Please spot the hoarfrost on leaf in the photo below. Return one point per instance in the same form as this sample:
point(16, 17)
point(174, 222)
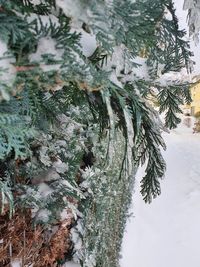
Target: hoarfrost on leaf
point(60, 166)
point(43, 215)
point(75, 10)
point(71, 264)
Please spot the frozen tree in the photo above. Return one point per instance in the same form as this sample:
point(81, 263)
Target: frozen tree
point(75, 117)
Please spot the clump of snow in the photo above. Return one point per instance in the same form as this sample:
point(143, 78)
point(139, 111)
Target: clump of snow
point(7, 70)
point(16, 263)
point(36, 2)
point(125, 69)
point(73, 9)
point(88, 43)
point(5, 62)
point(65, 214)
point(71, 264)
point(60, 166)
point(171, 78)
point(142, 70)
point(44, 190)
point(76, 239)
point(118, 61)
point(47, 45)
point(43, 215)
point(45, 19)
point(113, 78)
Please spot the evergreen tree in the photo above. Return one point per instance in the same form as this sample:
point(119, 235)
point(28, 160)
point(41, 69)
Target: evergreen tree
point(75, 118)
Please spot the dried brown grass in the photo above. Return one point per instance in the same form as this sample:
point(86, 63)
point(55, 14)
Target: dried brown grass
point(32, 244)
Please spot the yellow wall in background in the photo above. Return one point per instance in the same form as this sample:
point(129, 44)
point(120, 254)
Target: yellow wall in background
point(195, 94)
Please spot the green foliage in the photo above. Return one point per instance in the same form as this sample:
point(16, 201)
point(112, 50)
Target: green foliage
point(169, 49)
point(14, 136)
point(63, 106)
point(170, 99)
point(12, 28)
point(100, 210)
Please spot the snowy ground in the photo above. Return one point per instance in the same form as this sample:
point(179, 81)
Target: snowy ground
point(167, 232)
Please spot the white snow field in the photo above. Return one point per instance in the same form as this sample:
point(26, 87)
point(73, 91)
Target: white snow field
point(167, 232)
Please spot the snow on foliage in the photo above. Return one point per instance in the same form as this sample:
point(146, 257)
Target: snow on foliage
point(193, 7)
point(88, 43)
point(7, 71)
point(46, 45)
point(71, 264)
point(83, 80)
point(73, 9)
point(16, 263)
